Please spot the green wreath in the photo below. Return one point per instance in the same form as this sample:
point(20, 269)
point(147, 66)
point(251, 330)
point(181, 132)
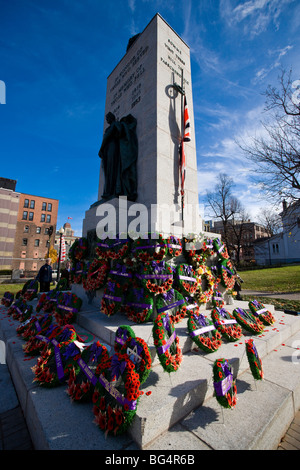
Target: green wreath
point(79, 249)
point(156, 276)
point(254, 360)
point(67, 308)
point(248, 321)
point(173, 303)
point(227, 273)
point(82, 378)
point(138, 304)
point(224, 385)
point(7, 299)
point(116, 394)
point(113, 296)
point(37, 326)
point(174, 246)
point(138, 352)
point(96, 275)
point(185, 279)
point(36, 345)
point(217, 299)
point(123, 333)
point(203, 333)
point(259, 310)
point(226, 324)
point(166, 343)
point(113, 249)
point(220, 249)
point(197, 251)
point(150, 249)
point(205, 285)
point(78, 271)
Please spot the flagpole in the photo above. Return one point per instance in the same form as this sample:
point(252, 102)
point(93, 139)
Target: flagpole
point(182, 131)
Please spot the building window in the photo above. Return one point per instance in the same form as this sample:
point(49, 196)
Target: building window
point(25, 215)
point(275, 248)
point(26, 202)
point(43, 217)
point(24, 241)
point(44, 206)
point(48, 219)
point(49, 206)
point(38, 230)
point(26, 228)
point(32, 204)
point(37, 242)
point(31, 215)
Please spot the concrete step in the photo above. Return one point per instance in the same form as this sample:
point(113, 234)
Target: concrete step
point(262, 415)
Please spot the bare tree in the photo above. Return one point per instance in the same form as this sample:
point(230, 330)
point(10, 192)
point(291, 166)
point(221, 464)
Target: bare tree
point(224, 205)
point(277, 157)
point(270, 221)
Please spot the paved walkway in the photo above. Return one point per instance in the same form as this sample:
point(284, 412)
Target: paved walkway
point(281, 295)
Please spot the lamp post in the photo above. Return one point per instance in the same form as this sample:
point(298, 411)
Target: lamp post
point(50, 231)
point(61, 232)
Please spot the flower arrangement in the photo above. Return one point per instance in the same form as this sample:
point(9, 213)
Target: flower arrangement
point(116, 394)
point(67, 308)
point(156, 276)
point(22, 311)
point(226, 324)
point(113, 249)
point(112, 298)
point(48, 301)
point(77, 271)
point(79, 249)
point(174, 246)
point(254, 360)
point(260, 311)
point(16, 306)
point(248, 321)
point(138, 352)
point(150, 249)
point(37, 326)
point(166, 342)
point(220, 249)
point(30, 289)
point(35, 345)
point(203, 333)
point(27, 324)
point(191, 306)
point(227, 273)
point(205, 279)
point(82, 379)
point(54, 366)
point(224, 385)
point(217, 299)
point(173, 303)
point(123, 333)
point(185, 279)
point(138, 304)
point(96, 275)
point(198, 249)
point(7, 299)
point(61, 285)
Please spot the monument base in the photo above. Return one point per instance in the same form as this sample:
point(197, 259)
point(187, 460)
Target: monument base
point(119, 215)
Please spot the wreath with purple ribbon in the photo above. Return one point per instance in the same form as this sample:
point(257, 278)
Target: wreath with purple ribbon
point(67, 308)
point(36, 326)
point(247, 321)
point(220, 249)
point(174, 246)
point(226, 324)
point(204, 333)
point(149, 249)
point(53, 367)
point(173, 303)
point(156, 276)
point(36, 345)
point(198, 251)
point(96, 275)
point(227, 273)
point(113, 249)
point(79, 249)
point(259, 310)
point(123, 334)
point(217, 299)
point(7, 299)
point(166, 342)
point(82, 378)
point(113, 296)
point(138, 352)
point(78, 271)
point(116, 394)
point(254, 360)
point(138, 304)
point(185, 279)
point(224, 384)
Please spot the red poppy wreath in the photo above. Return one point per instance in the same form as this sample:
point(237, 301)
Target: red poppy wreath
point(166, 343)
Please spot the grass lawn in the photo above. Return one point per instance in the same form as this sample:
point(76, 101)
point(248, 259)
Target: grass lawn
point(13, 288)
point(283, 279)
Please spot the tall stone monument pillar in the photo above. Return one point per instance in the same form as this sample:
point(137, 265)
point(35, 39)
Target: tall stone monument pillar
point(142, 85)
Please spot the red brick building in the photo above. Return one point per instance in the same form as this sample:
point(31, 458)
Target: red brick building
point(36, 214)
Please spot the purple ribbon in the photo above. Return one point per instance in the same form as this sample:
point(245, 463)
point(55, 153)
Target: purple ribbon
point(117, 367)
point(116, 394)
point(170, 306)
point(87, 371)
point(162, 349)
point(224, 385)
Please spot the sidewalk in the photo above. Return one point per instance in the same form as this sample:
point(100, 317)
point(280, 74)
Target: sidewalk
point(281, 295)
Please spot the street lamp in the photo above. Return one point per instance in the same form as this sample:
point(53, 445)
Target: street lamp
point(61, 232)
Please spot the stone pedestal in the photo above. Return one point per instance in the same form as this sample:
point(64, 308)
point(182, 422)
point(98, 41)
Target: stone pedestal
point(142, 85)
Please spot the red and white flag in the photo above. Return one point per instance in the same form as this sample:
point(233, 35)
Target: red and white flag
point(186, 138)
point(62, 249)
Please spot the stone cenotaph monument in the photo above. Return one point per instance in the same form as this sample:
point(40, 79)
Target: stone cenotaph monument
point(140, 183)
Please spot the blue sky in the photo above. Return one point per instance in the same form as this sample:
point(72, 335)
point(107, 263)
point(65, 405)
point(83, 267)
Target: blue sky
point(55, 57)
